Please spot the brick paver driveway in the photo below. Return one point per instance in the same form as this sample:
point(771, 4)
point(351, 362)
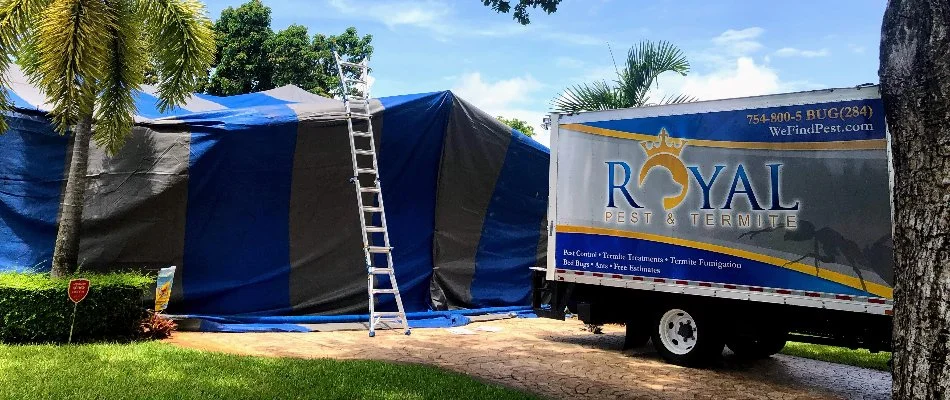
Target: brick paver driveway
point(559, 359)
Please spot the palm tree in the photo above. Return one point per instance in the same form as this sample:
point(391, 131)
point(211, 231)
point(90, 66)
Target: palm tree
point(645, 62)
point(89, 56)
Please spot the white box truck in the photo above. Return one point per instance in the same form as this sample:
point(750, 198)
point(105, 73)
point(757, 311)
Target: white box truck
point(742, 222)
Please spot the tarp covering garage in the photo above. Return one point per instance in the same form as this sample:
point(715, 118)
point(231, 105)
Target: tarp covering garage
point(250, 197)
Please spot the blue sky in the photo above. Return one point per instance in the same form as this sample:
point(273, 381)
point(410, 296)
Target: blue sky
point(735, 47)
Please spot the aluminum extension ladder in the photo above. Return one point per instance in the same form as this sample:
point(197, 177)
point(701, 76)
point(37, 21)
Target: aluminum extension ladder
point(363, 154)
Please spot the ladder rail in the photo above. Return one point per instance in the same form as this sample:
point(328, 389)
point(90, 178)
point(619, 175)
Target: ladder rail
point(352, 139)
point(371, 249)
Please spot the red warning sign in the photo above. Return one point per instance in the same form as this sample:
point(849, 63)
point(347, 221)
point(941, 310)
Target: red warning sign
point(78, 289)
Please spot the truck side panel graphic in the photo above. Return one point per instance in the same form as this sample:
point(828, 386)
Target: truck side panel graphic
point(787, 196)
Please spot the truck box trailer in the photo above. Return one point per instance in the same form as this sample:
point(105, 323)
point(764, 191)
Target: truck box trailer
point(741, 222)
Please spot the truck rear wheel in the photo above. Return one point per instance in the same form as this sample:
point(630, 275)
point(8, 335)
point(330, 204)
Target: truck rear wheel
point(687, 337)
point(758, 347)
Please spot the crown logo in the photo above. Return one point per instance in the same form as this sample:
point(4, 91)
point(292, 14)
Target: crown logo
point(663, 144)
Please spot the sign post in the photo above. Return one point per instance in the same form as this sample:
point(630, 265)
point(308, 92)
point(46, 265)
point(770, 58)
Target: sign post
point(78, 289)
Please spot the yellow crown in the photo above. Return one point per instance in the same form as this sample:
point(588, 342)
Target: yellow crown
point(663, 144)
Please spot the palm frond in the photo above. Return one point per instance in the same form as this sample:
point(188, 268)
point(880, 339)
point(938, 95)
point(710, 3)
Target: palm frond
point(182, 41)
point(69, 55)
point(124, 73)
point(645, 62)
point(588, 97)
point(677, 99)
point(15, 21)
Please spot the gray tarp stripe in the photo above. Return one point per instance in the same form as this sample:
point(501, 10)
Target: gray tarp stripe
point(295, 94)
point(192, 103)
point(472, 157)
point(327, 273)
point(134, 215)
point(21, 85)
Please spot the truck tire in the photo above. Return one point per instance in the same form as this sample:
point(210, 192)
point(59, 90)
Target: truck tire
point(688, 337)
point(759, 347)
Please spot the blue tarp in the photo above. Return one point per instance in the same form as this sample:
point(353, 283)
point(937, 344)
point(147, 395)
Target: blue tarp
point(429, 319)
point(249, 196)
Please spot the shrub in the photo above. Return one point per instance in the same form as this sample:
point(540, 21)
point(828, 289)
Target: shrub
point(156, 326)
point(35, 308)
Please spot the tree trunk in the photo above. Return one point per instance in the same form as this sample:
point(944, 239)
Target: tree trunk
point(66, 253)
point(915, 86)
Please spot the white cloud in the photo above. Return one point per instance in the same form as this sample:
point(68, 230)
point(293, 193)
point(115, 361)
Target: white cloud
point(743, 78)
point(739, 42)
point(429, 15)
point(793, 52)
point(498, 94)
point(857, 49)
point(729, 69)
point(511, 98)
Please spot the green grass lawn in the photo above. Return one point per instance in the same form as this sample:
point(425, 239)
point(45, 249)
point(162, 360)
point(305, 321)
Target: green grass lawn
point(161, 371)
point(839, 355)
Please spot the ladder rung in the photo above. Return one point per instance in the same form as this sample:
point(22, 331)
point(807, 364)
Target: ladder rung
point(358, 106)
point(381, 270)
point(351, 65)
point(389, 321)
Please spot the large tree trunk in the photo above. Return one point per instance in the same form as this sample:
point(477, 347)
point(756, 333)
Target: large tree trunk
point(915, 85)
point(66, 253)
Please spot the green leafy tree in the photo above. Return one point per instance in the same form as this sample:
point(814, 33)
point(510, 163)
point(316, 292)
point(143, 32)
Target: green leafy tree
point(521, 8)
point(645, 63)
point(88, 56)
point(351, 47)
point(522, 126)
point(293, 59)
point(242, 64)
point(251, 58)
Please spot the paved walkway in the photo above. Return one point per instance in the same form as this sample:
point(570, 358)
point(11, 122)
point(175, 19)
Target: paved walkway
point(559, 359)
